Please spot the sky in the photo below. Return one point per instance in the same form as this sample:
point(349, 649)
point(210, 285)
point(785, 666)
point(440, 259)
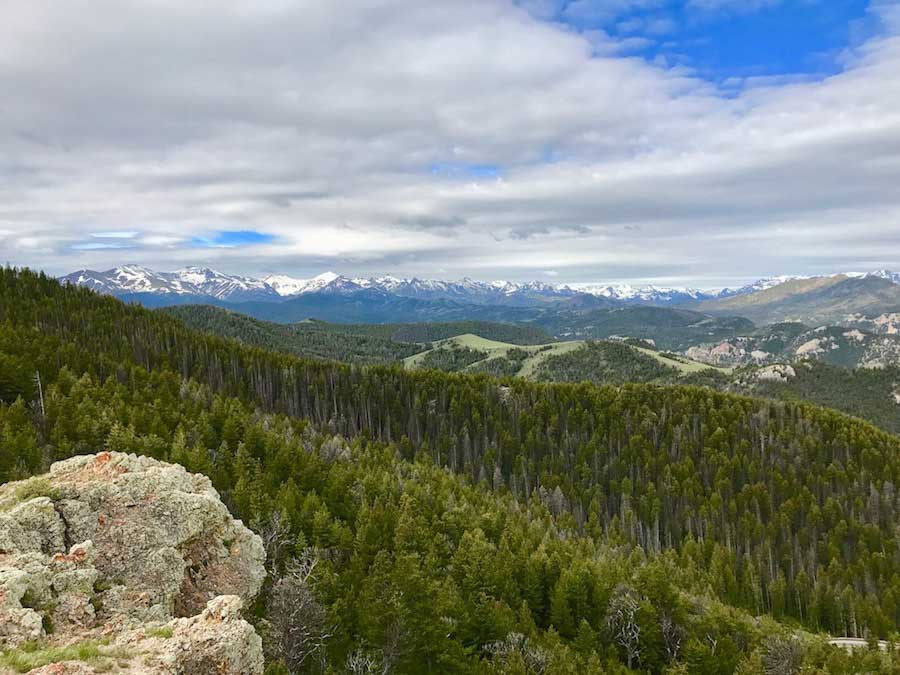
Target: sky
point(680, 142)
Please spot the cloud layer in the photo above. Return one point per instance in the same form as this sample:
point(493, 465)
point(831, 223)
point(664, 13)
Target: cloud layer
point(437, 139)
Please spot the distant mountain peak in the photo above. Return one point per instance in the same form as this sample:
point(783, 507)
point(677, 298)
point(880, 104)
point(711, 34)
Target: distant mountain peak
point(648, 294)
point(201, 282)
point(205, 282)
point(885, 274)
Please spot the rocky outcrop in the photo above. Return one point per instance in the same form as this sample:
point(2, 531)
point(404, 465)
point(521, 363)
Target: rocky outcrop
point(218, 635)
point(137, 557)
point(734, 352)
point(777, 373)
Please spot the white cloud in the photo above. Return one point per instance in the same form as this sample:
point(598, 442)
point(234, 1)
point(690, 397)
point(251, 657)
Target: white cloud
point(120, 234)
point(318, 122)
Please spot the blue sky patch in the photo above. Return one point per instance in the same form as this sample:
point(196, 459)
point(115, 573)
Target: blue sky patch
point(465, 170)
point(232, 239)
point(99, 246)
point(724, 40)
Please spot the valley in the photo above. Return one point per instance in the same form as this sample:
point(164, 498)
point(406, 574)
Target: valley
point(574, 485)
point(839, 367)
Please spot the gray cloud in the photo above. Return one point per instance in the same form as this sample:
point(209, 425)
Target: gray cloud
point(447, 225)
point(319, 122)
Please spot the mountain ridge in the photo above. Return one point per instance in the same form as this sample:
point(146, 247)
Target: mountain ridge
point(814, 301)
point(139, 283)
point(191, 280)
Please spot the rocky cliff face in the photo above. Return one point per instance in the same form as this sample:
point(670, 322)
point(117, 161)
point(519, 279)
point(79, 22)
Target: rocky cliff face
point(119, 563)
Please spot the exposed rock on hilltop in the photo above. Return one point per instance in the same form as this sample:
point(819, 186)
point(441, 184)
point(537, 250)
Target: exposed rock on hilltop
point(845, 346)
point(99, 557)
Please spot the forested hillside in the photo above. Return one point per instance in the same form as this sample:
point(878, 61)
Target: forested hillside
point(870, 393)
point(788, 342)
point(352, 343)
point(867, 393)
point(516, 334)
point(670, 328)
point(310, 339)
point(618, 363)
point(471, 524)
point(374, 306)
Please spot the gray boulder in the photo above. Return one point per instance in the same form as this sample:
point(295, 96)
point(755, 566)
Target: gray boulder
point(108, 544)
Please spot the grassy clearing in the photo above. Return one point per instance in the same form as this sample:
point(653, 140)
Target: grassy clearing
point(470, 341)
point(537, 354)
point(496, 350)
point(163, 632)
point(683, 364)
point(31, 655)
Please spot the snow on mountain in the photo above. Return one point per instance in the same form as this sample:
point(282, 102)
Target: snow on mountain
point(756, 286)
point(96, 281)
point(205, 282)
point(771, 282)
point(885, 274)
point(287, 286)
point(125, 279)
point(465, 290)
point(199, 281)
point(642, 294)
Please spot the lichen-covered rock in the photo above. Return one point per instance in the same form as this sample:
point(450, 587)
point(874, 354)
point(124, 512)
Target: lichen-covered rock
point(776, 373)
point(106, 543)
point(215, 642)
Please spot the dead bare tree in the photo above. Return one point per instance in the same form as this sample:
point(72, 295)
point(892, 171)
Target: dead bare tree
point(535, 659)
point(40, 392)
point(297, 628)
point(275, 532)
point(782, 656)
point(392, 649)
point(672, 635)
point(364, 663)
point(621, 620)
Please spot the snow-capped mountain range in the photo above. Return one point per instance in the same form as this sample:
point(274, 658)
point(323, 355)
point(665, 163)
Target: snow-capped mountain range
point(463, 290)
point(189, 281)
point(201, 282)
point(881, 274)
point(659, 295)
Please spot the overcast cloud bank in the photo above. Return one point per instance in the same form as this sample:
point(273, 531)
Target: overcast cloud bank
point(432, 139)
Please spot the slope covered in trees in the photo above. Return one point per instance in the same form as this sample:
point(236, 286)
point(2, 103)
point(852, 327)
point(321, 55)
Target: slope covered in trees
point(866, 393)
point(605, 363)
point(412, 569)
point(516, 334)
point(770, 508)
point(311, 339)
point(872, 394)
point(671, 328)
point(226, 323)
point(357, 343)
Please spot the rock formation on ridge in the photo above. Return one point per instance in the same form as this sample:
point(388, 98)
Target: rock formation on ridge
point(129, 564)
